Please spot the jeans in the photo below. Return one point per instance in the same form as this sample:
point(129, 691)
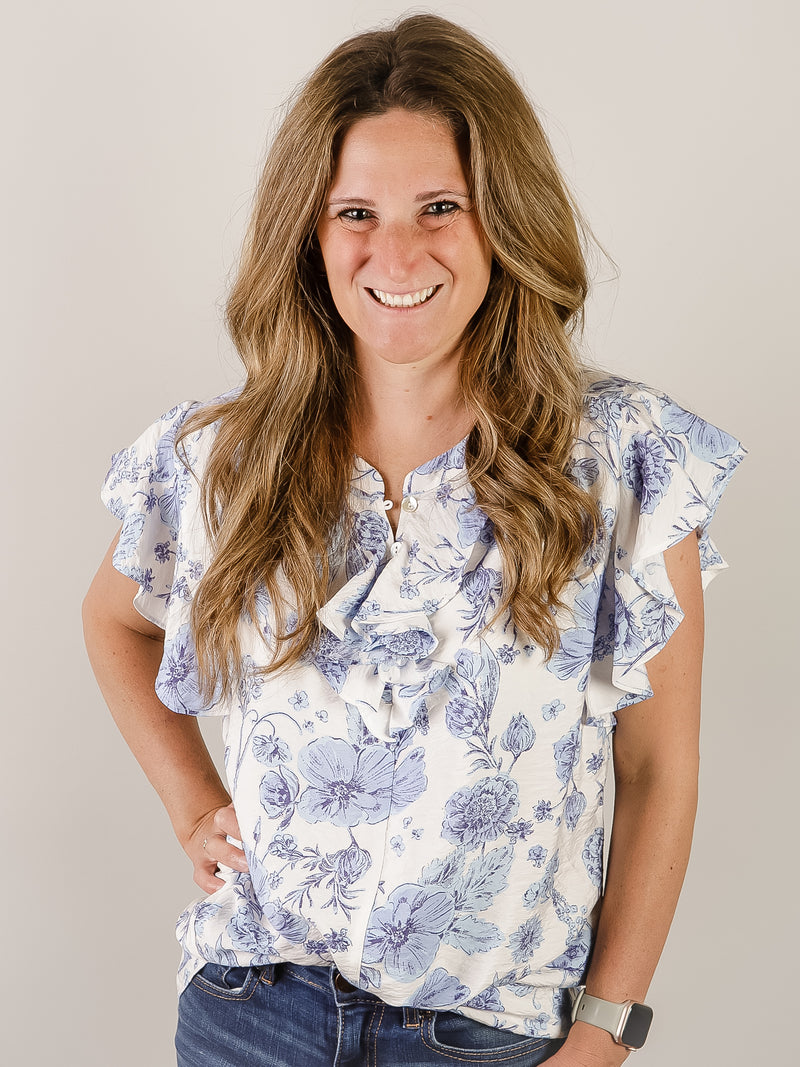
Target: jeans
point(286, 1015)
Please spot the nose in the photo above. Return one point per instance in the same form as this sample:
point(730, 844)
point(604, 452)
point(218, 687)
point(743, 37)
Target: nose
point(397, 251)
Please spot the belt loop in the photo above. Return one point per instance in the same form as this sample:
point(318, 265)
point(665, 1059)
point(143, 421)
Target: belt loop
point(410, 1018)
point(268, 974)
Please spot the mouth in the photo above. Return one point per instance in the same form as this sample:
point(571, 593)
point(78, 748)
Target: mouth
point(404, 300)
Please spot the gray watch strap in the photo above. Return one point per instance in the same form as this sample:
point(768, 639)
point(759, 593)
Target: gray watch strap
point(607, 1015)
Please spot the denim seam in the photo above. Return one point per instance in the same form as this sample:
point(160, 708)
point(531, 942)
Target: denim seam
point(374, 1038)
point(235, 994)
point(475, 1055)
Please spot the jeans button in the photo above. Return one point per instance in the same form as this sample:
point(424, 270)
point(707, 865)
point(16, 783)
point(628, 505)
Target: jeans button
point(341, 983)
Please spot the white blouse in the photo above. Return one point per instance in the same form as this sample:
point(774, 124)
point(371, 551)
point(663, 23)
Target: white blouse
point(421, 801)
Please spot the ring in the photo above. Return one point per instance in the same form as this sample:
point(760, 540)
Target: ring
point(205, 842)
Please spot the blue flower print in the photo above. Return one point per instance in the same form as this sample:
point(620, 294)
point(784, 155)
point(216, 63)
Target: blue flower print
point(271, 750)
point(178, 683)
point(367, 543)
point(397, 845)
point(338, 941)
point(537, 855)
point(507, 654)
point(551, 710)
point(543, 810)
point(405, 933)
point(349, 864)
point(708, 442)
point(519, 736)
point(595, 762)
point(645, 470)
point(278, 792)
point(518, 831)
point(398, 649)
point(486, 1000)
point(526, 939)
point(299, 700)
point(464, 716)
point(333, 657)
point(480, 813)
point(574, 959)
point(584, 472)
point(247, 934)
point(161, 552)
point(346, 786)
point(573, 656)
point(593, 856)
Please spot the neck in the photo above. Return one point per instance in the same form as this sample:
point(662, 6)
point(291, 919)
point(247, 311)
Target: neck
point(405, 415)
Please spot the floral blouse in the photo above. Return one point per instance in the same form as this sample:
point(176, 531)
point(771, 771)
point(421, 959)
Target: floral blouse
point(421, 800)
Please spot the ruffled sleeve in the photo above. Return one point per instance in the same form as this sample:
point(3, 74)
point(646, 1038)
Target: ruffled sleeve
point(154, 492)
point(666, 471)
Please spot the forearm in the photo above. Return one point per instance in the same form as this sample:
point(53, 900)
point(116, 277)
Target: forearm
point(169, 747)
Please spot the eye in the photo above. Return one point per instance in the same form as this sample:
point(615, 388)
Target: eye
point(354, 214)
point(440, 208)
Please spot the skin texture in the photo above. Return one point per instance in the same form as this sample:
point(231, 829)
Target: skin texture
point(396, 237)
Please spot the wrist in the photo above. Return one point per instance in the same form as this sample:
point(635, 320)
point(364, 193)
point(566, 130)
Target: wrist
point(595, 1046)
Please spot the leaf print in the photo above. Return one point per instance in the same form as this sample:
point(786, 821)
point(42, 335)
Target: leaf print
point(645, 470)
point(446, 871)
point(470, 934)
point(658, 622)
point(573, 656)
point(485, 879)
point(293, 927)
point(584, 472)
point(347, 786)
point(477, 814)
point(405, 933)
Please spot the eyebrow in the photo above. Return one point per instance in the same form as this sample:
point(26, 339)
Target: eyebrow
point(434, 194)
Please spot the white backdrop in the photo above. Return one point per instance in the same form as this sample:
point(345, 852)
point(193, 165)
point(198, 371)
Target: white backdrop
point(134, 132)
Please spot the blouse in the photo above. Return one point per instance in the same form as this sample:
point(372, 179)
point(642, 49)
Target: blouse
point(421, 799)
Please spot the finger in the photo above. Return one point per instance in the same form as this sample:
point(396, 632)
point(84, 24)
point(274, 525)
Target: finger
point(226, 823)
point(207, 879)
point(218, 849)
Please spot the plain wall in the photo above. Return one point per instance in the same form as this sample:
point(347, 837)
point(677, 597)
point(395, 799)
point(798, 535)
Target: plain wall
point(133, 134)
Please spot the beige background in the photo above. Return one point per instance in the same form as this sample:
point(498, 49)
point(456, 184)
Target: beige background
point(134, 131)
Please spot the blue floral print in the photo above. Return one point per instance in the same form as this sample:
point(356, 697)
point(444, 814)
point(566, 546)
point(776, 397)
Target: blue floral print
point(405, 933)
point(421, 800)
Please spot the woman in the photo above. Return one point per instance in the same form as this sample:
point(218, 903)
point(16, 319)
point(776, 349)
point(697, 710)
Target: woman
point(421, 674)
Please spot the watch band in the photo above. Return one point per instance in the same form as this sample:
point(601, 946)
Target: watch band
point(627, 1023)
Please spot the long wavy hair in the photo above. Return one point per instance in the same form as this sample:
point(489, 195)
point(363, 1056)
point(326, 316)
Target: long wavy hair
point(276, 487)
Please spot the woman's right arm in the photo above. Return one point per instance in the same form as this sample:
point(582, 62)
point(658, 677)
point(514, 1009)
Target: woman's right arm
point(125, 652)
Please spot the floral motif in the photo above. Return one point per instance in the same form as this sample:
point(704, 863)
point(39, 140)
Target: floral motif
point(477, 814)
point(405, 933)
point(645, 470)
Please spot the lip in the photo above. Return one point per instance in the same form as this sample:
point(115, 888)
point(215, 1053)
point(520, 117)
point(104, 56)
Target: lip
point(371, 290)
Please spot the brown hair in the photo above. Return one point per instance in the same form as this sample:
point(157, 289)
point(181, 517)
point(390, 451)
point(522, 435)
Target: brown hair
point(275, 489)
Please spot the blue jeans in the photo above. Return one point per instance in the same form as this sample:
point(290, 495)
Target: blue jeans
point(285, 1015)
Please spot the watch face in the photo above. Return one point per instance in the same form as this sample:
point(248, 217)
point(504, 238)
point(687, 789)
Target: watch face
point(636, 1026)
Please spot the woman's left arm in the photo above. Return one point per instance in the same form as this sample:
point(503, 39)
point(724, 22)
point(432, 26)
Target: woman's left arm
point(656, 760)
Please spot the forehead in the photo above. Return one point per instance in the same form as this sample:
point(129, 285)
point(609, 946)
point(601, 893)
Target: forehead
point(399, 148)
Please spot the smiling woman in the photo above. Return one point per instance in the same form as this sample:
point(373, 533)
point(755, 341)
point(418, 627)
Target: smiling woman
point(433, 575)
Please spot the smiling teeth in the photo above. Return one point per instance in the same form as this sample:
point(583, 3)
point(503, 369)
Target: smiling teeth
point(406, 300)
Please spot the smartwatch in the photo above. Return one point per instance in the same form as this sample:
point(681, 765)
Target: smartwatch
point(627, 1023)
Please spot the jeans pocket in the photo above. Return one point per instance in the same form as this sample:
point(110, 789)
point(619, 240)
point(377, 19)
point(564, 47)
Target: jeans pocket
point(228, 983)
point(456, 1036)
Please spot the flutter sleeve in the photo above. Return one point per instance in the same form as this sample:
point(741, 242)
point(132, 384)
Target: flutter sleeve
point(667, 469)
point(154, 491)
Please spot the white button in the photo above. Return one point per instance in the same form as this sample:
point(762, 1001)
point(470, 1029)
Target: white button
point(396, 546)
point(387, 505)
point(410, 503)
